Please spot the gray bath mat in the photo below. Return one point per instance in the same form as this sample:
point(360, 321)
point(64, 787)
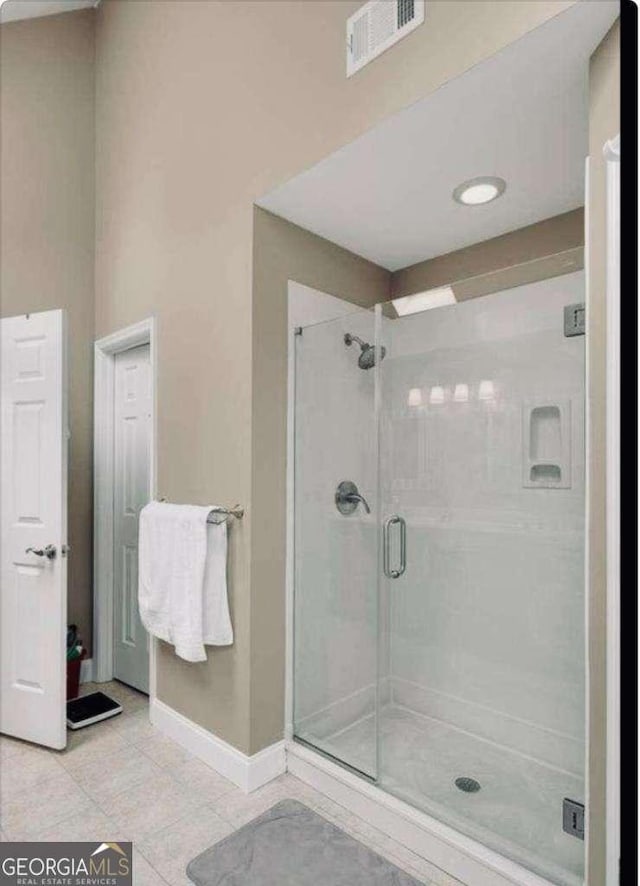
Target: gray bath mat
point(290, 845)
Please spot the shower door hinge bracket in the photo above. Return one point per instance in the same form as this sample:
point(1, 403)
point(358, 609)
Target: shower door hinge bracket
point(574, 319)
point(573, 818)
point(297, 330)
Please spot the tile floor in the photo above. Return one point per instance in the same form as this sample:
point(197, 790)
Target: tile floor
point(123, 780)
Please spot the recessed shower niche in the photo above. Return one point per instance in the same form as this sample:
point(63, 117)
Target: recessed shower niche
point(547, 445)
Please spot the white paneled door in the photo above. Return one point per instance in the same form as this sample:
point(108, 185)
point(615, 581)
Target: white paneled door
point(131, 462)
point(33, 593)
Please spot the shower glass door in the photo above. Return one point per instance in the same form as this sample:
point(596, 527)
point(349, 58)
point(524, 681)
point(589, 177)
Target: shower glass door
point(480, 413)
point(336, 542)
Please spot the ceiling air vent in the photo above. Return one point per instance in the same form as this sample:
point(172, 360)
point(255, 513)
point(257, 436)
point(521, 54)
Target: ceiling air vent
point(378, 25)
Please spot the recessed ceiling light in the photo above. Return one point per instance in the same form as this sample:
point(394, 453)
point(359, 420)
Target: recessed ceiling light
point(480, 190)
point(422, 301)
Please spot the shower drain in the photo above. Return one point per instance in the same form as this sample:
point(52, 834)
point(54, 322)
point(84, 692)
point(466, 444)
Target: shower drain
point(468, 785)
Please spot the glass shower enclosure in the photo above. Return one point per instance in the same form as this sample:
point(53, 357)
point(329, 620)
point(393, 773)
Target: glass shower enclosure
point(439, 562)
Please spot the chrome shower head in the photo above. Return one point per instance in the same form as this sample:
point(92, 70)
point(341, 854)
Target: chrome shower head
point(367, 358)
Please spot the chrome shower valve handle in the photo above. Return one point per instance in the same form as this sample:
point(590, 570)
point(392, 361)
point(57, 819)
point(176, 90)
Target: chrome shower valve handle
point(347, 498)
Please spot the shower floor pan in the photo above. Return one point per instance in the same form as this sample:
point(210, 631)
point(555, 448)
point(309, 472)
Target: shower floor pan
point(517, 811)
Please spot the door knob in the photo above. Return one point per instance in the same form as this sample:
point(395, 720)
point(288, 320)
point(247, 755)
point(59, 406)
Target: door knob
point(49, 552)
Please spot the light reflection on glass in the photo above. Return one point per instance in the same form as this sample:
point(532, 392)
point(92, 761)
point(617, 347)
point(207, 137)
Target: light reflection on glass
point(486, 390)
point(461, 393)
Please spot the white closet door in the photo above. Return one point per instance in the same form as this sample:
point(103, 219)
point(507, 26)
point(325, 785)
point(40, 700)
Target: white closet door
point(33, 611)
point(131, 493)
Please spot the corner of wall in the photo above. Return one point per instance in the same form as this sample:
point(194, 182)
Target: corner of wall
point(604, 123)
point(282, 251)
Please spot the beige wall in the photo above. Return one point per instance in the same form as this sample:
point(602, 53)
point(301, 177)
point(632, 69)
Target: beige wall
point(550, 247)
point(201, 108)
point(604, 123)
point(255, 664)
point(47, 227)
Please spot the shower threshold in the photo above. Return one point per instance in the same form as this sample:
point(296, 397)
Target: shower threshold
point(517, 811)
point(337, 760)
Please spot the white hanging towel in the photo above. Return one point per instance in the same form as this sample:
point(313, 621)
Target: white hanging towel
point(182, 587)
point(216, 621)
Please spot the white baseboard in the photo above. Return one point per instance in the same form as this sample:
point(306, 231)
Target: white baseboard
point(86, 670)
point(247, 772)
point(461, 857)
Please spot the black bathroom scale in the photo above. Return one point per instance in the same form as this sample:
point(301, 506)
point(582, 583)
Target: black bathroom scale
point(90, 709)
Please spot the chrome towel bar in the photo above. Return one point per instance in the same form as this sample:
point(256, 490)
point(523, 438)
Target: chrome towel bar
point(236, 511)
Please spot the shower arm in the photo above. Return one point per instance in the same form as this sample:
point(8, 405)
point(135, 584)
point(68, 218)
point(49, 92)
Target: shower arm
point(349, 339)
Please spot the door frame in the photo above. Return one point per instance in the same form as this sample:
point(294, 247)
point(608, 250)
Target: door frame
point(105, 350)
point(611, 152)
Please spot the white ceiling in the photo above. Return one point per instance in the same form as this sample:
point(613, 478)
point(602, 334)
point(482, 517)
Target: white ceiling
point(521, 115)
point(13, 10)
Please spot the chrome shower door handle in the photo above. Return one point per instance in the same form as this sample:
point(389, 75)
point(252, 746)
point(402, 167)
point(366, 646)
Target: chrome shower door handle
point(395, 520)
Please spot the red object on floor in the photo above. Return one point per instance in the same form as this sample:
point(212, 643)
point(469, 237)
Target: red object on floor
point(73, 676)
